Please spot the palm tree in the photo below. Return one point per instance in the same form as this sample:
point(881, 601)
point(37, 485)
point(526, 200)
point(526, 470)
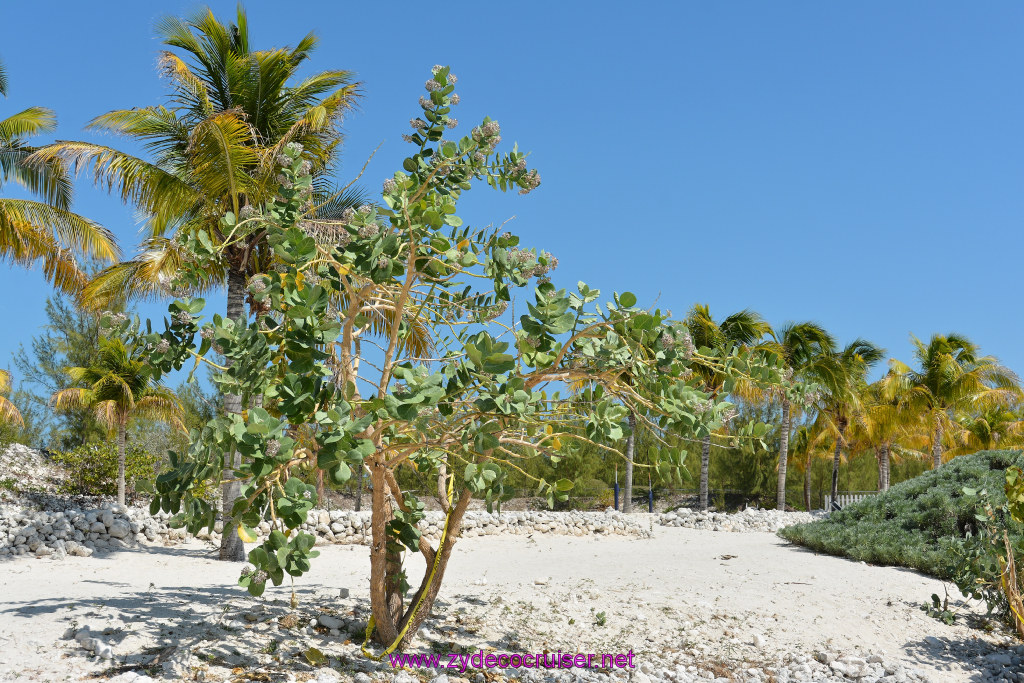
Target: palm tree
point(743, 328)
point(802, 347)
point(8, 411)
point(951, 379)
point(44, 230)
point(887, 426)
point(119, 388)
point(803, 448)
point(214, 151)
point(843, 376)
point(995, 427)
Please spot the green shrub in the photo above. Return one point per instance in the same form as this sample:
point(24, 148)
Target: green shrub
point(92, 469)
point(925, 523)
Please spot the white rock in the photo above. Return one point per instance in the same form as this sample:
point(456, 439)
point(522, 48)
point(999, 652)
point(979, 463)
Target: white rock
point(329, 621)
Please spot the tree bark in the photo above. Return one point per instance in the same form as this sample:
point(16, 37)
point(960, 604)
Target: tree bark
point(430, 591)
point(807, 481)
point(937, 443)
point(231, 547)
point(627, 502)
point(121, 456)
point(705, 462)
point(359, 490)
point(883, 468)
point(382, 603)
point(780, 500)
point(835, 462)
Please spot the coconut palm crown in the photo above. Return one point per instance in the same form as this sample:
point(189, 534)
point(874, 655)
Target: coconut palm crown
point(951, 379)
point(119, 387)
point(741, 329)
point(45, 230)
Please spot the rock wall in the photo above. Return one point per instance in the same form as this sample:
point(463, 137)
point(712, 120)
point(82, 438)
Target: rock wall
point(74, 531)
point(745, 521)
point(80, 531)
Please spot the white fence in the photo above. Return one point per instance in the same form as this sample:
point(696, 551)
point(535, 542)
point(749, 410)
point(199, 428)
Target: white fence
point(848, 497)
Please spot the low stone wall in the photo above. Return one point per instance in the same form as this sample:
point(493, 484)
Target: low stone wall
point(77, 531)
point(72, 531)
point(768, 521)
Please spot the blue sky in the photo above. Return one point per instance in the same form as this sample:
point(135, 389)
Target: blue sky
point(858, 164)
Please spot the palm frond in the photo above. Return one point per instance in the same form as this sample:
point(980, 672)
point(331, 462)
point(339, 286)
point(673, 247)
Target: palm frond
point(147, 276)
point(9, 413)
point(49, 180)
point(31, 121)
point(70, 230)
point(158, 193)
point(222, 152)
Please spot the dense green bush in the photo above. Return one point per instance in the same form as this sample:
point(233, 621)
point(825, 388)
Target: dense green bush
point(924, 523)
point(92, 469)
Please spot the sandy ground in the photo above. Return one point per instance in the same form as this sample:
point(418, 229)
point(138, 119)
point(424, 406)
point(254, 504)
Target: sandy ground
point(706, 592)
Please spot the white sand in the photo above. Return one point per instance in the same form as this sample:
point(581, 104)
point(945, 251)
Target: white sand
point(671, 593)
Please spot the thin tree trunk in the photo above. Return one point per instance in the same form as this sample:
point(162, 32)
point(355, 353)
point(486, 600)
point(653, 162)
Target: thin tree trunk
point(835, 463)
point(430, 591)
point(705, 462)
point(359, 489)
point(385, 604)
point(937, 444)
point(231, 547)
point(627, 502)
point(883, 467)
point(121, 434)
point(807, 482)
point(780, 500)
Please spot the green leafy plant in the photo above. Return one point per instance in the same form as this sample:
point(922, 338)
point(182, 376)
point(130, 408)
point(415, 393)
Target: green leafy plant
point(92, 469)
point(939, 609)
point(987, 568)
point(484, 402)
point(923, 523)
point(600, 618)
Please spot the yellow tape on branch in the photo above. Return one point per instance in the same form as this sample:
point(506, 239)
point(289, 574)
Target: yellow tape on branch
point(371, 624)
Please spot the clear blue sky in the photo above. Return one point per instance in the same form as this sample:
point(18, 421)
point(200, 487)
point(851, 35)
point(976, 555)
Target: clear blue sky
point(858, 164)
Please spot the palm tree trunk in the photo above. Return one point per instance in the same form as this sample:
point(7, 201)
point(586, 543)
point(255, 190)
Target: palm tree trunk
point(780, 501)
point(627, 502)
point(937, 444)
point(231, 547)
point(807, 481)
point(835, 463)
point(121, 435)
point(705, 462)
point(883, 468)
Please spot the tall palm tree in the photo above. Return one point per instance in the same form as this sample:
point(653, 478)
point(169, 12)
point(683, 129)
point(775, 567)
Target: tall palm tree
point(801, 347)
point(44, 230)
point(887, 426)
point(214, 151)
point(951, 379)
point(804, 447)
point(744, 328)
point(8, 411)
point(843, 376)
point(119, 388)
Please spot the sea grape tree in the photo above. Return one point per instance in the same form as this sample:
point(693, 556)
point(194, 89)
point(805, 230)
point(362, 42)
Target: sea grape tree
point(330, 349)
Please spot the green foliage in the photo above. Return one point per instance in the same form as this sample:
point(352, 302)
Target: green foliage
point(939, 609)
point(70, 338)
point(92, 468)
point(489, 404)
point(987, 569)
point(926, 523)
